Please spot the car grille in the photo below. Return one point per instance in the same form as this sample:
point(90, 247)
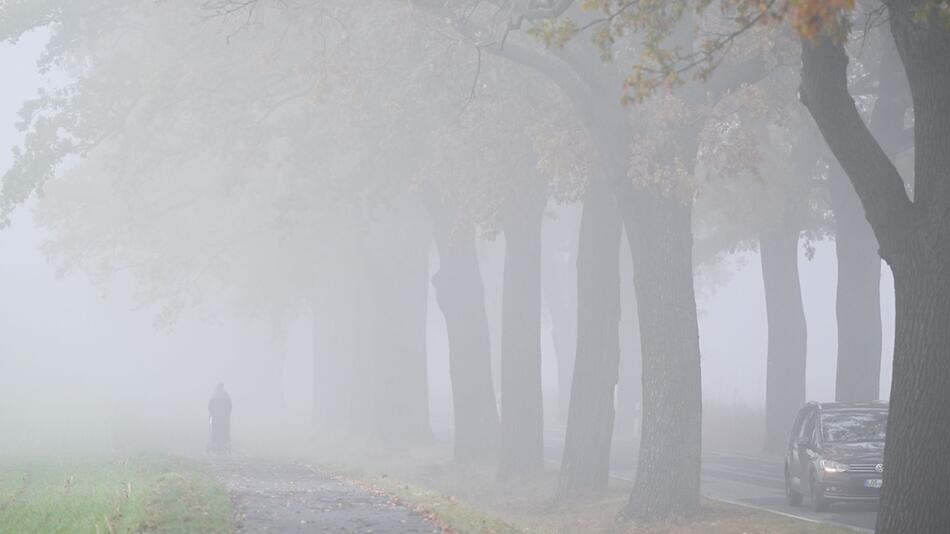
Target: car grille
point(865, 468)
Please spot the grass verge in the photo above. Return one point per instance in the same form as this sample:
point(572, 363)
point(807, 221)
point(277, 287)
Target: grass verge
point(447, 511)
point(137, 494)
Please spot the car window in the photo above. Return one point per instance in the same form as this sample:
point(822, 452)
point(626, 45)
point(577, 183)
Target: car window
point(797, 427)
point(853, 426)
point(809, 427)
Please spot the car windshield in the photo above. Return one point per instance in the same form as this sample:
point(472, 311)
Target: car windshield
point(853, 426)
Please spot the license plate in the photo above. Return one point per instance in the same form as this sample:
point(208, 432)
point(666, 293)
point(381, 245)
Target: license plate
point(872, 483)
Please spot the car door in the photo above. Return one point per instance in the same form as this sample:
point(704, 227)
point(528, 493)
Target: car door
point(790, 452)
point(800, 456)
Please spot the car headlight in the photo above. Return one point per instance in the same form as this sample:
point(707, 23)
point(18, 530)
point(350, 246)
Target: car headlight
point(831, 466)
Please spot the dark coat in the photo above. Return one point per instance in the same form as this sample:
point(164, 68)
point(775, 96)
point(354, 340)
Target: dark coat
point(219, 407)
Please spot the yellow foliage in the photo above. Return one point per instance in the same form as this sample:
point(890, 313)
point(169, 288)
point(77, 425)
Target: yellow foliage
point(812, 18)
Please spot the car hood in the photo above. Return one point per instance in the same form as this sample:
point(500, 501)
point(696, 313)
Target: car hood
point(871, 452)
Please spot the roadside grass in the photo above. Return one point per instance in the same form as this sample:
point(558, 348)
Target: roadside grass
point(469, 499)
point(140, 493)
point(446, 510)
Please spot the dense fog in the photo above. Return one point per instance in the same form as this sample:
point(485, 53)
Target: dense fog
point(78, 351)
point(585, 240)
point(80, 355)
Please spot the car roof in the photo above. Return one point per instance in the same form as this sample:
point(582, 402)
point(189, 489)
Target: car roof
point(849, 406)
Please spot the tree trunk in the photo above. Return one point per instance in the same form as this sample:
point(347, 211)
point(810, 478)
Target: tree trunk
point(370, 369)
point(558, 283)
point(399, 274)
point(629, 384)
point(331, 374)
point(858, 303)
point(564, 338)
point(787, 341)
point(461, 297)
point(586, 461)
point(336, 324)
point(659, 229)
point(916, 462)
point(858, 296)
point(360, 319)
point(522, 414)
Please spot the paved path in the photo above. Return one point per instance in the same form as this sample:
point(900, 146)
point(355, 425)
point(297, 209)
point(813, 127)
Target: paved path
point(271, 496)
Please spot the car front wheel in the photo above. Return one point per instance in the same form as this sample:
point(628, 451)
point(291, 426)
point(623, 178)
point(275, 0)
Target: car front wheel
point(791, 496)
point(819, 502)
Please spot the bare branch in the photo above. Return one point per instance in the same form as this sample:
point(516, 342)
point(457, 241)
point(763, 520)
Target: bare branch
point(824, 91)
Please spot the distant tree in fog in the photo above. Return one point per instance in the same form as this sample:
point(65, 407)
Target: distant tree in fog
point(659, 232)
point(764, 190)
point(223, 179)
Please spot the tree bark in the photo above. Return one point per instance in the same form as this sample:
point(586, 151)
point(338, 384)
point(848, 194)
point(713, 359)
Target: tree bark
point(787, 340)
point(659, 229)
point(858, 296)
point(461, 297)
point(586, 461)
point(522, 414)
point(914, 495)
point(915, 241)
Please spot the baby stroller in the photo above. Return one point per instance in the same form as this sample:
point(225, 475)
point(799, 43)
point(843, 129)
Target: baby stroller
point(219, 436)
point(219, 422)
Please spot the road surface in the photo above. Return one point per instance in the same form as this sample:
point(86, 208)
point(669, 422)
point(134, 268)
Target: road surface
point(743, 480)
point(760, 482)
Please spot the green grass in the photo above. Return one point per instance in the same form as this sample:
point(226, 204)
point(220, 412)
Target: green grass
point(136, 494)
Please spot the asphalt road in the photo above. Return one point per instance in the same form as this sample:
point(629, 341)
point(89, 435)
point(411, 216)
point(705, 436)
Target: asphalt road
point(742, 480)
point(760, 482)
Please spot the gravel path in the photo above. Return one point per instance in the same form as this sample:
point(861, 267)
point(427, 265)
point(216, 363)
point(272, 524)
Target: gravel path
point(270, 496)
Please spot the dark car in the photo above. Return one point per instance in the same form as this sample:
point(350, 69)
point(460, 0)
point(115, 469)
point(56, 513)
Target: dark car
point(836, 453)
